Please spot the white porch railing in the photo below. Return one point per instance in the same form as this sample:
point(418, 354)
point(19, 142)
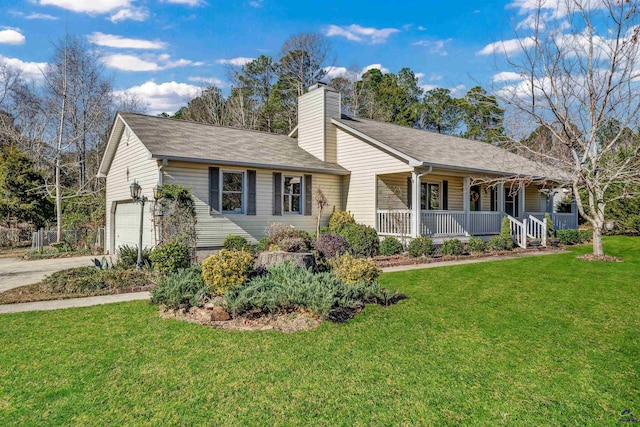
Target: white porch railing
point(481, 223)
point(537, 229)
point(444, 223)
point(561, 221)
point(518, 231)
point(565, 221)
point(394, 222)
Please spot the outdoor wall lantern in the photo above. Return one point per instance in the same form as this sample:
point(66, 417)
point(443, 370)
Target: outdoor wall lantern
point(136, 195)
point(157, 192)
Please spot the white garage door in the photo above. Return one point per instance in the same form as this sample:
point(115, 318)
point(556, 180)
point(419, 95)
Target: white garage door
point(127, 225)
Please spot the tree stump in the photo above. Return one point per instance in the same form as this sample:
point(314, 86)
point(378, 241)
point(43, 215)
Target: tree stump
point(301, 259)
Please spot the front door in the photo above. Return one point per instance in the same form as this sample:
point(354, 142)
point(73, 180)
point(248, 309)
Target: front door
point(511, 202)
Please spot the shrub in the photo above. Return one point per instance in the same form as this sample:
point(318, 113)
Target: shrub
point(363, 240)
point(568, 237)
point(390, 246)
point(90, 280)
point(452, 247)
point(550, 231)
point(170, 257)
point(293, 244)
point(262, 244)
point(585, 235)
point(226, 270)
point(233, 242)
point(331, 245)
point(183, 288)
point(354, 270)
point(338, 220)
point(420, 246)
point(505, 233)
point(276, 232)
point(475, 245)
point(128, 256)
point(287, 287)
point(499, 243)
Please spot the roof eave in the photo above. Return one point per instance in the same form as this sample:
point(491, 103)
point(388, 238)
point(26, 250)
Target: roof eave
point(340, 171)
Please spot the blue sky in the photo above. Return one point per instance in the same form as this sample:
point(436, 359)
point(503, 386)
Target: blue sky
point(164, 50)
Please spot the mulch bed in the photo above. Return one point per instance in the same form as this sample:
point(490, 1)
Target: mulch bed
point(398, 260)
point(602, 258)
point(285, 322)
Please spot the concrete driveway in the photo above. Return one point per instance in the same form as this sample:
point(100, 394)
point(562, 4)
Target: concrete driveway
point(15, 272)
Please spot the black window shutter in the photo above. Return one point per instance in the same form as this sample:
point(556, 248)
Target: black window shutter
point(277, 193)
point(214, 190)
point(308, 195)
point(493, 199)
point(409, 193)
point(251, 192)
point(445, 195)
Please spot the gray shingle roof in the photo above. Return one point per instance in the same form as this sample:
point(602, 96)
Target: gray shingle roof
point(190, 141)
point(444, 150)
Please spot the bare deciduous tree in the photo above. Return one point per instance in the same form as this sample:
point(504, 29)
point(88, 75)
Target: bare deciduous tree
point(302, 59)
point(580, 68)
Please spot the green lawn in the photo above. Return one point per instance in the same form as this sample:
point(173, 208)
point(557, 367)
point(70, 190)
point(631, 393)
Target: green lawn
point(538, 341)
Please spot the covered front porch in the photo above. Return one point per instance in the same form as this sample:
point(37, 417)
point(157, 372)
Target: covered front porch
point(449, 205)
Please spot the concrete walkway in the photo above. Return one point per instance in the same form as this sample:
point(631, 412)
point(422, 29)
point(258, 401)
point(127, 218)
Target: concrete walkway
point(72, 303)
point(470, 261)
point(16, 272)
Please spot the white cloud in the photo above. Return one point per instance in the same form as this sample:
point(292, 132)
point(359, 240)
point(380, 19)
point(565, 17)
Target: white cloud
point(238, 62)
point(556, 8)
point(507, 46)
point(186, 2)
point(147, 63)
point(11, 36)
point(428, 87)
point(88, 6)
point(335, 72)
point(164, 97)
point(506, 76)
point(30, 70)
point(111, 40)
point(421, 28)
point(358, 33)
point(457, 90)
point(208, 80)
point(434, 77)
point(419, 75)
point(256, 3)
point(375, 66)
point(42, 16)
point(435, 46)
point(138, 14)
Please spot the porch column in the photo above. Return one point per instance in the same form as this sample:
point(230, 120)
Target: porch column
point(466, 202)
point(521, 192)
point(416, 220)
point(500, 191)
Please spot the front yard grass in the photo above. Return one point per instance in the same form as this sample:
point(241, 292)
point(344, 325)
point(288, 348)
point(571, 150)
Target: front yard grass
point(536, 341)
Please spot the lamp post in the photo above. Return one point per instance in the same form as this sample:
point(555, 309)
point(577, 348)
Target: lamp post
point(136, 195)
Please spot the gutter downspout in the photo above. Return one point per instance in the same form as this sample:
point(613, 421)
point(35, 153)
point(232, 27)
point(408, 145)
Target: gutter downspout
point(416, 224)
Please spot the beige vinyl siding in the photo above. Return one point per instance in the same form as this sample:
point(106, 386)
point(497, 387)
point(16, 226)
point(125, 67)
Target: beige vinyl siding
point(213, 229)
point(130, 163)
point(331, 109)
point(311, 122)
point(485, 198)
point(534, 201)
point(392, 191)
point(364, 162)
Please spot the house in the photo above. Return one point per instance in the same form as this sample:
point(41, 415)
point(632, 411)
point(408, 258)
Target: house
point(402, 181)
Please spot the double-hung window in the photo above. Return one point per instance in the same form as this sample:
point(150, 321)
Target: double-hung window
point(232, 192)
point(431, 197)
point(292, 195)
